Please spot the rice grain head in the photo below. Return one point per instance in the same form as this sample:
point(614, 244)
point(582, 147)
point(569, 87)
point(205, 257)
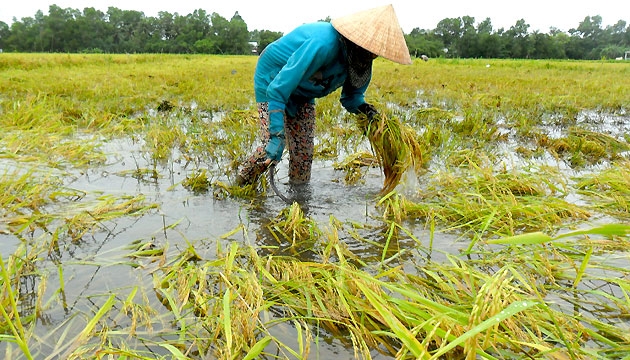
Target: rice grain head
point(396, 147)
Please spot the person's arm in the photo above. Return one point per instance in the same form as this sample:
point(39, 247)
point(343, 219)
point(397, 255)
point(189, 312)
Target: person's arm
point(303, 63)
point(353, 100)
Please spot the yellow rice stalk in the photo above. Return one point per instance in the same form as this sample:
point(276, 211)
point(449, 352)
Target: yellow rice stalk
point(395, 145)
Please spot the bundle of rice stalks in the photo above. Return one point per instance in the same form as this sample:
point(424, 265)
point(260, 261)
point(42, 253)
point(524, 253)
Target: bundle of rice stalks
point(395, 145)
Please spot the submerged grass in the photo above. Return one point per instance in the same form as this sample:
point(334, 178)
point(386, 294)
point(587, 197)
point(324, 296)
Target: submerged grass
point(484, 202)
point(13, 323)
point(609, 190)
point(583, 147)
point(238, 304)
point(352, 166)
point(47, 218)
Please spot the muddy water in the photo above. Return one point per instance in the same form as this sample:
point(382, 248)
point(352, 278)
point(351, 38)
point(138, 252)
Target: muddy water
point(203, 218)
point(97, 265)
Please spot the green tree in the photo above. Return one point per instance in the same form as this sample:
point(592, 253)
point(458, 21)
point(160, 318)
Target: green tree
point(617, 32)
point(489, 44)
point(238, 36)
point(51, 28)
point(560, 42)
point(467, 45)
point(185, 39)
point(24, 35)
point(230, 37)
point(619, 41)
point(612, 52)
point(164, 33)
point(200, 27)
point(189, 30)
point(449, 31)
point(92, 31)
point(424, 42)
point(204, 46)
point(128, 32)
point(220, 31)
point(543, 46)
point(587, 37)
point(5, 32)
point(119, 31)
point(520, 46)
point(266, 37)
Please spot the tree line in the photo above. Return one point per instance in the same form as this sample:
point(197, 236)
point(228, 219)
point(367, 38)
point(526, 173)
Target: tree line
point(129, 31)
point(459, 37)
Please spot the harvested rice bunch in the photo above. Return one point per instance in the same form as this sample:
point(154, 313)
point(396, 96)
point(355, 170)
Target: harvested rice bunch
point(395, 145)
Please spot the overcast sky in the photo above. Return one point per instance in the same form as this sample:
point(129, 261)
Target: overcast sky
point(284, 15)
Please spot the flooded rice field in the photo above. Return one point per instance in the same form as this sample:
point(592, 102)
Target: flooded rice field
point(98, 264)
point(122, 236)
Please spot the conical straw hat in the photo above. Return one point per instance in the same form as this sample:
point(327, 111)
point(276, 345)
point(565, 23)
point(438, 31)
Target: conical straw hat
point(376, 30)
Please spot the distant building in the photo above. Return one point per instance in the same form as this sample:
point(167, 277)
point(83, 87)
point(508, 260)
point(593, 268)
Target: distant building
point(627, 55)
point(254, 47)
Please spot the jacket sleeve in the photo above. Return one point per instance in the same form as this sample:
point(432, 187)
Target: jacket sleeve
point(352, 98)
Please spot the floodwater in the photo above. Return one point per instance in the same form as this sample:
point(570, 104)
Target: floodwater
point(97, 265)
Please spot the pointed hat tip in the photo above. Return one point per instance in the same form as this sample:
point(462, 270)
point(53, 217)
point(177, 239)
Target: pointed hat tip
point(376, 30)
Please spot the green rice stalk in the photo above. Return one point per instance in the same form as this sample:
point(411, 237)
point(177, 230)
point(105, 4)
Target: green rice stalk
point(493, 321)
point(222, 190)
point(540, 237)
point(352, 165)
point(12, 319)
point(258, 348)
point(481, 201)
point(291, 225)
point(86, 334)
point(227, 321)
point(399, 330)
point(177, 354)
point(608, 190)
point(449, 309)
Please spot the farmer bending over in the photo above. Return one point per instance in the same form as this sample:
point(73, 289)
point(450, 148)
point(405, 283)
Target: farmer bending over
point(311, 62)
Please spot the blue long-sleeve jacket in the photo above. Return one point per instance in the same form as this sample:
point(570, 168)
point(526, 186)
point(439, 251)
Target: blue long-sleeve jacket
point(307, 63)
